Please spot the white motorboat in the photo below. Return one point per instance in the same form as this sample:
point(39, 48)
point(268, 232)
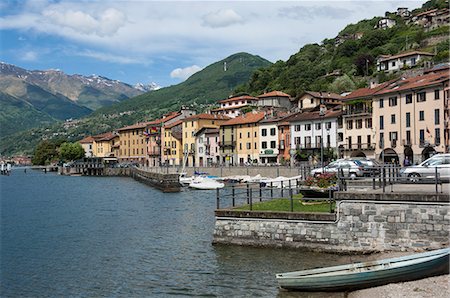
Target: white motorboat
point(205, 183)
point(184, 180)
point(281, 182)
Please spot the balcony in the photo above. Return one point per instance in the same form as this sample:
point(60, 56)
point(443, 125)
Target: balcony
point(358, 146)
point(229, 144)
point(154, 153)
point(357, 112)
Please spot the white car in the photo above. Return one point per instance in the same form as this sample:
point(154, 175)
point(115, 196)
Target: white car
point(351, 168)
point(427, 169)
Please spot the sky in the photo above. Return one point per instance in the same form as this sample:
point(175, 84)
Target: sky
point(167, 41)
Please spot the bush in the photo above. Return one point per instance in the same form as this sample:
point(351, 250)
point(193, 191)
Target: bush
point(324, 180)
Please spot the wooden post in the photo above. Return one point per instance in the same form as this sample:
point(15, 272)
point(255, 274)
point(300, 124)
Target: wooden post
point(232, 195)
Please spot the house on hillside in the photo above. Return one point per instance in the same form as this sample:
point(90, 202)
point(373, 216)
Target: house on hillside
point(232, 106)
point(311, 99)
point(432, 19)
point(394, 63)
point(385, 23)
point(275, 99)
point(403, 12)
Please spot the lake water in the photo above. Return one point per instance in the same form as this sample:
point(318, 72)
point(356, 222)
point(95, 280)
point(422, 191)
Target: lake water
point(94, 236)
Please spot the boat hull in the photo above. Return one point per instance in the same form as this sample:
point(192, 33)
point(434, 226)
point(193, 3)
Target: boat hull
point(374, 274)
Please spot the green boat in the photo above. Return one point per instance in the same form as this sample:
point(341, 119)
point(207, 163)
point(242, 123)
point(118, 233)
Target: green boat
point(367, 274)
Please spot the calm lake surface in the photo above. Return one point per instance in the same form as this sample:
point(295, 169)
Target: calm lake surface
point(95, 236)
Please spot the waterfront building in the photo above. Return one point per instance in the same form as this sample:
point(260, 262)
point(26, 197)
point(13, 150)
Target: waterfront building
point(358, 136)
point(275, 99)
point(310, 100)
point(232, 107)
point(105, 144)
point(207, 146)
point(133, 145)
point(311, 132)
point(268, 141)
point(411, 117)
point(87, 144)
point(154, 134)
point(172, 151)
point(284, 142)
point(239, 138)
point(388, 63)
point(191, 125)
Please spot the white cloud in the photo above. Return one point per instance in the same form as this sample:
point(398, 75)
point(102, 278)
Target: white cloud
point(222, 18)
point(184, 73)
point(109, 57)
point(106, 24)
point(29, 56)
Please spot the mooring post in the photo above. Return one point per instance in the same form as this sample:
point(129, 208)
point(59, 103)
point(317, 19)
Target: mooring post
point(217, 198)
point(251, 199)
point(271, 190)
point(260, 192)
point(248, 194)
point(232, 195)
point(436, 178)
point(384, 179)
point(329, 197)
point(282, 190)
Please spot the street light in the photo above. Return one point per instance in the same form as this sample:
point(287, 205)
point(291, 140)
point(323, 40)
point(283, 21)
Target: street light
point(322, 112)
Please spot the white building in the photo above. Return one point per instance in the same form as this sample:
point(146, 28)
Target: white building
point(276, 99)
point(397, 62)
point(308, 129)
point(268, 141)
point(232, 106)
point(385, 23)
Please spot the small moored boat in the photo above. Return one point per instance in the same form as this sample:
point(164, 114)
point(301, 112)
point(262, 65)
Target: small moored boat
point(205, 183)
point(367, 274)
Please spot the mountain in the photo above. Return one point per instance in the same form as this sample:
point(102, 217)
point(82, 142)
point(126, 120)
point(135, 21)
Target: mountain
point(216, 81)
point(348, 61)
point(147, 87)
point(91, 92)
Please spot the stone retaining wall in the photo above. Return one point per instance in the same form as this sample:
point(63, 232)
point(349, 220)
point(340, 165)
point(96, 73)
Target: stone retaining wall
point(164, 182)
point(360, 227)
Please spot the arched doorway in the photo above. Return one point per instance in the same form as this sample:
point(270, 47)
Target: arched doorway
point(409, 154)
point(428, 152)
point(358, 154)
point(389, 155)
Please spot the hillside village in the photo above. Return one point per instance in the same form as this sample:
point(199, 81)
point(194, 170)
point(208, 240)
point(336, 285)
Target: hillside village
point(387, 121)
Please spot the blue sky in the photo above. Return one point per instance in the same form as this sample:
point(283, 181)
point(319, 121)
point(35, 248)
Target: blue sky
point(166, 41)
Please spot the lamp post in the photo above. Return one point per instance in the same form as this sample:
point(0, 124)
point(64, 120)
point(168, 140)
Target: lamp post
point(322, 112)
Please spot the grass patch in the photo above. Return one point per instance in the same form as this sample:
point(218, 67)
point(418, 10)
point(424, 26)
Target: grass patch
point(285, 205)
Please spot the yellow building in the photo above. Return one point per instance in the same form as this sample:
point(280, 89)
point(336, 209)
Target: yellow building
point(191, 125)
point(104, 144)
point(239, 138)
point(172, 148)
point(133, 143)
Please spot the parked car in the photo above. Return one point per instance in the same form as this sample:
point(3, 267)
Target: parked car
point(370, 166)
point(427, 169)
point(351, 168)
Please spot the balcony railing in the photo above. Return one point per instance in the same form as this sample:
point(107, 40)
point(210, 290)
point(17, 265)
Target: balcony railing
point(357, 111)
point(359, 146)
point(154, 153)
point(227, 144)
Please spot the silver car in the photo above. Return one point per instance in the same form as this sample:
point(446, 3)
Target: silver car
point(428, 168)
point(351, 168)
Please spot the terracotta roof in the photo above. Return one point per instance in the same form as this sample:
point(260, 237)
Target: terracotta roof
point(238, 98)
point(315, 116)
point(206, 117)
point(324, 95)
point(386, 58)
point(415, 82)
point(86, 140)
point(107, 136)
point(250, 117)
point(178, 122)
point(135, 126)
point(274, 94)
point(426, 12)
point(365, 92)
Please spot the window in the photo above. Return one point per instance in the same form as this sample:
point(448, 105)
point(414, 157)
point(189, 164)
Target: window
point(359, 124)
point(436, 116)
point(408, 98)
point(408, 137)
point(436, 94)
point(393, 63)
point(381, 103)
point(369, 123)
point(249, 145)
point(408, 119)
point(349, 124)
point(255, 134)
point(328, 125)
point(297, 140)
point(273, 144)
point(393, 119)
point(307, 127)
point(264, 145)
point(393, 101)
point(308, 142)
point(248, 135)
point(421, 97)
point(240, 135)
point(192, 123)
point(369, 141)
point(393, 136)
point(340, 137)
point(422, 135)
point(264, 132)
point(200, 150)
point(240, 146)
point(413, 61)
point(421, 115)
point(297, 127)
point(381, 140)
point(437, 136)
point(381, 122)
point(272, 131)
point(318, 126)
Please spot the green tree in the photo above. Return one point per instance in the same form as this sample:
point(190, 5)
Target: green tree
point(45, 153)
point(71, 151)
